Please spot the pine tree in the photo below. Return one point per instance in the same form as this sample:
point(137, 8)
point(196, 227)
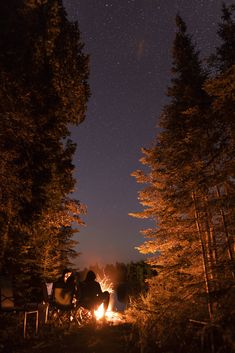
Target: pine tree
point(189, 195)
point(221, 88)
point(175, 199)
point(176, 169)
point(45, 76)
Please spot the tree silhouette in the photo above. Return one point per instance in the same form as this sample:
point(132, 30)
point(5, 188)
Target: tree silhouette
point(44, 91)
point(189, 194)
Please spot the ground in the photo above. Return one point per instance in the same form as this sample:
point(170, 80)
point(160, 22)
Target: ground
point(99, 338)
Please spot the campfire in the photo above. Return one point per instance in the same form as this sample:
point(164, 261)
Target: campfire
point(110, 315)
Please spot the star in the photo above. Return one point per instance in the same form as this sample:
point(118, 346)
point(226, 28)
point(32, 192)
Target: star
point(129, 42)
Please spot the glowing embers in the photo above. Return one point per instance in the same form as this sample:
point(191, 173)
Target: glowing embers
point(113, 317)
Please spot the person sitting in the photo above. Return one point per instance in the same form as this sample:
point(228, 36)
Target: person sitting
point(90, 294)
point(64, 289)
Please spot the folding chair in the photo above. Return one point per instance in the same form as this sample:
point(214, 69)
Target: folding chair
point(8, 304)
point(62, 306)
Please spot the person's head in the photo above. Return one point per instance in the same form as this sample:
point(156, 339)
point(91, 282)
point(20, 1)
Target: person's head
point(90, 276)
point(66, 274)
point(70, 281)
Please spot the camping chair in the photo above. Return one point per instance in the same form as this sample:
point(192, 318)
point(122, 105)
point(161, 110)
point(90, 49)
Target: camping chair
point(62, 306)
point(8, 304)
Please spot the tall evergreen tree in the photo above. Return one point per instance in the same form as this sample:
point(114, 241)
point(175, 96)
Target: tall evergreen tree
point(45, 76)
point(221, 88)
point(176, 168)
point(190, 193)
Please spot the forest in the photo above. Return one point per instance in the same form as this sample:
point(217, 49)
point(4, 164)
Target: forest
point(182, 299)
point(189, 194)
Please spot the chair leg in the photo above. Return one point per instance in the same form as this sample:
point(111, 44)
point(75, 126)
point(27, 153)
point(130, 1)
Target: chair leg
point(46, 313)
point(26, 313)
point(36, 326)
point(25, 324)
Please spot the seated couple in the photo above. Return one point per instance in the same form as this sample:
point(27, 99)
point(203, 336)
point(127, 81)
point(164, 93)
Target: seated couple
point(88, 292)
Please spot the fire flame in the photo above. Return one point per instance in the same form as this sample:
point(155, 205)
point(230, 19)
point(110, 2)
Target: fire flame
point(105, 283)
point(99, 313)
point(109, 315)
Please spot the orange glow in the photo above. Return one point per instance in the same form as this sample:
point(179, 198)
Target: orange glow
point(110, 315)
point(105, 283)
point(99, 313)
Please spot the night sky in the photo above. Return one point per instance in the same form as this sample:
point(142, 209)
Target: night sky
point(129, 42)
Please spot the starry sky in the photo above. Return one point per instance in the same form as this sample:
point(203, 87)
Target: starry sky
point(129, 43)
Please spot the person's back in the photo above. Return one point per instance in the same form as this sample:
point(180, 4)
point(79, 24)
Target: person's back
point(90, 294)
point(89, 291)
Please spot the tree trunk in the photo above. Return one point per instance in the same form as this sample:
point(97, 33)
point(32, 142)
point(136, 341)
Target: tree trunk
point(204, 257)
point(230, 249)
